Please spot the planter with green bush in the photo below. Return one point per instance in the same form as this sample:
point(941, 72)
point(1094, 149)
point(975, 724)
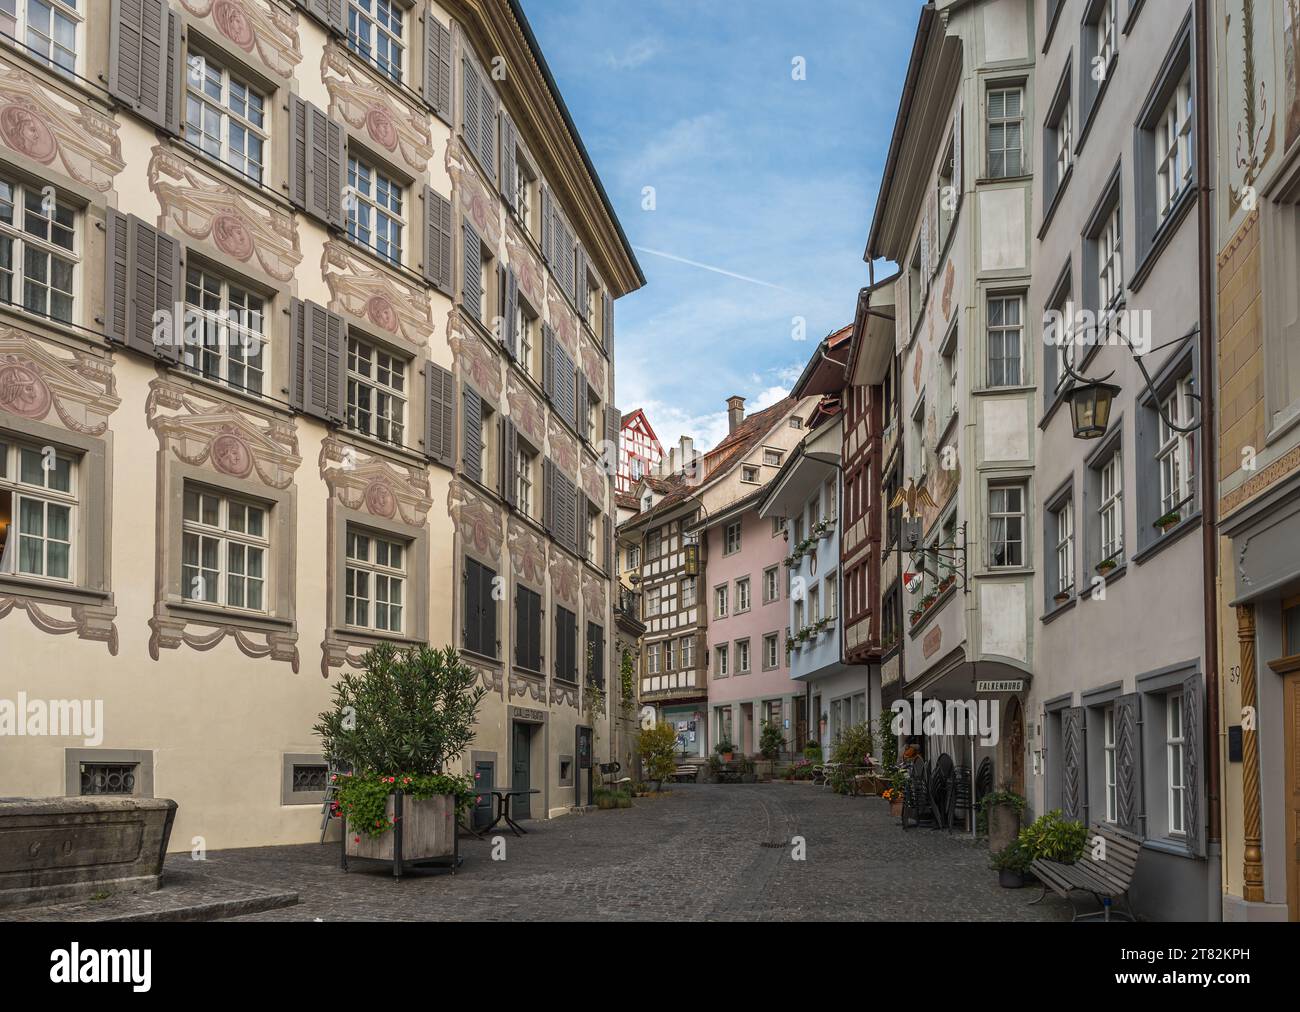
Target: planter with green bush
point(658, 748)
point(1011, 863)
point(1001, 811)
point(399, 723)
point(1054, 837)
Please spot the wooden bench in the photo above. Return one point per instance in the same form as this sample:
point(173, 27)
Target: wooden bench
point(609, 775)
point(690, 773)
point(1107, 879)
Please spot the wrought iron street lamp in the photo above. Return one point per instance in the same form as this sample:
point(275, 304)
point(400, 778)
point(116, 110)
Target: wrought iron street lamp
point(1090, 405)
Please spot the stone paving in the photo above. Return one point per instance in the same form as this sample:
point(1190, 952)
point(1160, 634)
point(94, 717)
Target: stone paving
point(694, 854)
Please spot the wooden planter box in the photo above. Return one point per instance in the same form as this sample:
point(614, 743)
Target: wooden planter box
point(426, 833)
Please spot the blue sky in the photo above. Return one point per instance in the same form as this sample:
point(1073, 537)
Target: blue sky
point(754, 173)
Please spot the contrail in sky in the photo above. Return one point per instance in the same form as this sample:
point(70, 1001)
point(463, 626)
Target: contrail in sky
point(707, 267)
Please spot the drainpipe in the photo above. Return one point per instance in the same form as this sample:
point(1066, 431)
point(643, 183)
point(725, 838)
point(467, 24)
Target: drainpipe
point(1209, 492)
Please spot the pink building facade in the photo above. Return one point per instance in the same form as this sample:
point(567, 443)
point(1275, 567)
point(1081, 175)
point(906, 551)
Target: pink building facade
point(745, 592)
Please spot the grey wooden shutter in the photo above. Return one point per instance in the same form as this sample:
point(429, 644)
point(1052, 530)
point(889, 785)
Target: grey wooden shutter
point(580, 523)
point(580, 407)
point(1074, 788)
point(1128, 762)
point(330, 13)
point(509, 161)
point(511, 328)
point(562, 256)
point(509, 450)
point(142, 277)
point(956, 151)
point(437, 67)
point(548, 362)
point(145, 67)
point(317, 153)
point(439, 415)
point(487, 119)
point(1193, 709)
point(581, 290)
point(546, 223)
point(319, 373)
point(613, 425)
point(548, 496)
point(607, 323)
point(471, 286)
point(472, 436)
point(564, 384)
point(469, 97)
point(437, 241)
point(564, 527)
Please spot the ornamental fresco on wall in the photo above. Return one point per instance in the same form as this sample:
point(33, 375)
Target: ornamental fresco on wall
point(527, 552)
point(368, 292)
point(54, 130)
point(206, 208)
point(527, 685)
point(1291, 70)
point(593, 598)
point(476, 520)
point(563, 320)
point(563, 448)
point(593, 364)
point(370, 108)
point(567, 694)
point(205, 431)
point(564, 577)
point(1249, 109)
point(478, 201)
point(527, 267)
point(40, 382)
point(475, 361)
point(254, 24)
point(594, 483)
point(526, 409)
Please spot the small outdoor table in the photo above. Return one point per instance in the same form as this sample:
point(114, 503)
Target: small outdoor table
point(503, 809)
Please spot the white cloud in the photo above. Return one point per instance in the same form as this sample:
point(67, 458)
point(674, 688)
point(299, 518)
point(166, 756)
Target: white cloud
point(640, 52)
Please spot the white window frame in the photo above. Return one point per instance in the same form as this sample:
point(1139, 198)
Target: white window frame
point(744, 596)
point(367, 364)
point(1110, 261)
point(1111, 509)
point(1064, 131)
point(652, 659)
point(381, 579)
point(525, 461)
point(1006, 122)
point(771, 584)
point(1107, 33)
point(720, 601)
point(743, 666)
point(23, 35)
point(688, 592)
point(375, 206)
point(1174, 745)
point(1006, 516)
point(1065, 546)
point(730, 544)
point(227, 537)
point(68, 222)
point(1002, 332)
point(1175, 459)
point(687, 652)
point(1109, 762)
point(48, 498)
point(231, 319)
point(211, 87)
point(720, 656)
point(367, 37)
point(771, 650)
point(1174, 148)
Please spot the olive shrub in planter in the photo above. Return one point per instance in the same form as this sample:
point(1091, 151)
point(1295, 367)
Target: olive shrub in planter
point(399, 724)
point(1001, 810)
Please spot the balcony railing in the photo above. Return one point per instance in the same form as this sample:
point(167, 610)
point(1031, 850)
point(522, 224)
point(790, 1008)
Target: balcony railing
point(629, 603)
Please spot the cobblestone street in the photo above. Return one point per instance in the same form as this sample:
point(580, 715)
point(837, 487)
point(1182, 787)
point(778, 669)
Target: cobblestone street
point(697, 853)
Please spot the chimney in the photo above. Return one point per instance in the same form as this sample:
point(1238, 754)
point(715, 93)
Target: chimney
point(687, 445)
point(735, 413)
point(672, 461)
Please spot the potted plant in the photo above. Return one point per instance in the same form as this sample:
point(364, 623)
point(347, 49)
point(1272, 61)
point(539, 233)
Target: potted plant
point(1106, 565)
point(398, 724)
point(725, 750)
point(1002, 810)
point(771, 742)
point(658, 747)
point(894, 792)
point(1011, 863)
point(1061, 596)
point(1054, 837)
point(1167, 521)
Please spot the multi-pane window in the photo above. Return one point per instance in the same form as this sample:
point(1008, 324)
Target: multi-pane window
point(1065, 547)
point(633, 559)
point(375, 581)
point(832, 596)
point(38, 250)
point(232, 331)
point(225, 117)
point(732, 539)
point(651, 605)
point(814, 604)
point(772, 458)
point(742, 656)
point(1005, 340)
point(1110, 262)
point(742, 595)
point(525, 460)
point(770, 650)
point(1006, 120)
point(720, 661)
point(1111, 509)
point(771, 585)
point(589, 534)
point(654, 544)
point(46, 29)
point(720, 602)
point(1174, 148)
point(1174, 760)
point(375, 34)
point(1174, 456)
point(525, 182)
point(223, 551)
point(374, 206)
point(688, 592)
point(526, 328)
point(687, 652)
point(38, 503)
point(652, 659)
point(1007, 525)
point(1064, 133)
point(1108, 748)
point(1107, 32)
point(670, 655)
point(376, 392)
